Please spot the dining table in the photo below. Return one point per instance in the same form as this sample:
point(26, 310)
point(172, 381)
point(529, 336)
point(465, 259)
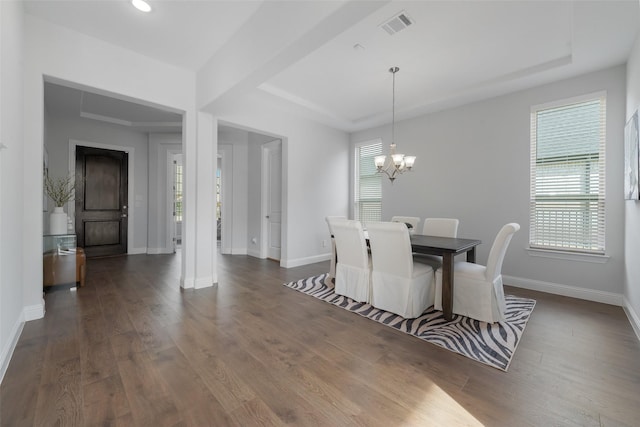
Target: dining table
point(447, 248)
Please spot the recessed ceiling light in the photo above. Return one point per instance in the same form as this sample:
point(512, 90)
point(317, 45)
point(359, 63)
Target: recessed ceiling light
point(141, 5)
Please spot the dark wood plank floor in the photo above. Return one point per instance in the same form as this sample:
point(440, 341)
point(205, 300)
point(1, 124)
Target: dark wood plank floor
point(132, 349)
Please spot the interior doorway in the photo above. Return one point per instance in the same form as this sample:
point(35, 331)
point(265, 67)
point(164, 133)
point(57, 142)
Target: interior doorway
point(151, 134)
point(252, 188)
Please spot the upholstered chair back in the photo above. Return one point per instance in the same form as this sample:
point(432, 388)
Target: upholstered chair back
point(440, 227)
point(499, 250)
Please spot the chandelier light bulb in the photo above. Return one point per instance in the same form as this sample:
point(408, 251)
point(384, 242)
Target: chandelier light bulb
point(141, 5)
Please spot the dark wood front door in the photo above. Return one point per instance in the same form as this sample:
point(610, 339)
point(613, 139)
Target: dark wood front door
point(101, 201)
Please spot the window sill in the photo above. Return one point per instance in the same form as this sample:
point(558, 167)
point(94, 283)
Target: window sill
point(569, 256)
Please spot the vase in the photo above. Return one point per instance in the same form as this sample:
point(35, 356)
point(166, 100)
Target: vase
point(58, 221)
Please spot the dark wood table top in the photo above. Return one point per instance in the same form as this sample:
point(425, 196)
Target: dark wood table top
point(438, 245)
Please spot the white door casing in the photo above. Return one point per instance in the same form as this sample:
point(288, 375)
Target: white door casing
point(271, 200)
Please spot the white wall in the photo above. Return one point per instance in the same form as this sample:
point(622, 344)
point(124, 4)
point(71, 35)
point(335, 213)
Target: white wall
point(473, 164)
point(240, 189)
point(632, 208)
point(316, 174)
point(61, 54)
point(254, 197)
point(61, 130)
point(12, 281)
point(161, 149)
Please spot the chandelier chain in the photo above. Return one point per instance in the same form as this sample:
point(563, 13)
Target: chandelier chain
point(393, 106)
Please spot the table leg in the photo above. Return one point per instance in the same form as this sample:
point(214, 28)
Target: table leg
point(447, 285)
point(471, 255)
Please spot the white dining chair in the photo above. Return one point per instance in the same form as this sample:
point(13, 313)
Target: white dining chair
point(477, 289)
point(353, 268)
point(413, 220)
point(440, 227)
point(332, 265)
point(397, 284)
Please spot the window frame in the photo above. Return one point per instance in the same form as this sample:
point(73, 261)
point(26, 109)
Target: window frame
point(356, 179)
point(598, 239)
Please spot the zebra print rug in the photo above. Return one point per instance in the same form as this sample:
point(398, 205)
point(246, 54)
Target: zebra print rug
point(491, 344)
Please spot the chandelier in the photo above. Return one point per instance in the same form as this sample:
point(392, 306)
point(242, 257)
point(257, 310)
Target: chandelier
point(394, 164)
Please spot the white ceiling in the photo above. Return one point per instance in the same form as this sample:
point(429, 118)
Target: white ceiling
point(185, 33)
point(454, 52)
point(64, 101)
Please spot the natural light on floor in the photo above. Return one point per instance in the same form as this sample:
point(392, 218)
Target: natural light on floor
point(442, 410)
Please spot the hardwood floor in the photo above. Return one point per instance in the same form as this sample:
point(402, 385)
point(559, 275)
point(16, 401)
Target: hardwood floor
point(132, 349)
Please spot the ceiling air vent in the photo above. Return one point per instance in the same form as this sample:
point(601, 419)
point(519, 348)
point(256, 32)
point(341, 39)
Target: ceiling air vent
point(397, 23)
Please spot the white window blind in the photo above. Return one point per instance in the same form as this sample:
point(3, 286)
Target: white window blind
point(368, 184)
point(568, 177)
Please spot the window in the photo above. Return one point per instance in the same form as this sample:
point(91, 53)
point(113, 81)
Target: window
point(568, 176)
point(177, 191)
point(368, 184)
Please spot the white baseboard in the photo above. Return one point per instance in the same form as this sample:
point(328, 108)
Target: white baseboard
point(238, 251)
point(187, 283)
point(254, 253)
point(304, 261)
point(633, 317)
point(33, 312)
point(196, 282)
point(10, 346)
point(564, 290)
point(159, 251)
point(137, 251)
point(203, 282)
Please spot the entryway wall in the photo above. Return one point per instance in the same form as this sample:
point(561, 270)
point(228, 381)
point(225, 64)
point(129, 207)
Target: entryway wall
point(149, 230)
point(58, 134)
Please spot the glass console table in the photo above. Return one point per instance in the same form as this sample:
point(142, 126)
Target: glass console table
point(63, 262)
